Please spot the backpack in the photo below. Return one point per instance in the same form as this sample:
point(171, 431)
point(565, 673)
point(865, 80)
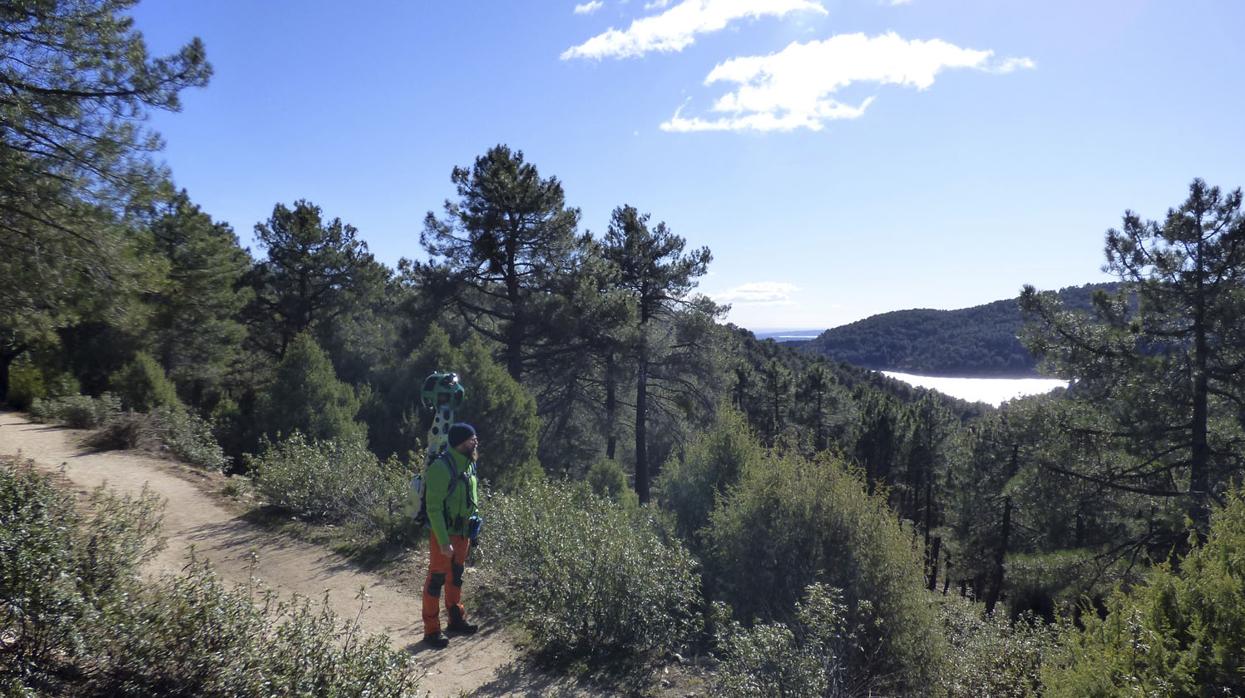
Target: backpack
point(418, 487)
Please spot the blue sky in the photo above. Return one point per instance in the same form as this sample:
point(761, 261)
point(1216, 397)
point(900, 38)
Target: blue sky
point(840, 158)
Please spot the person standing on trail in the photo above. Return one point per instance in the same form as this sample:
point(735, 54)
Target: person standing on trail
point(450, 493)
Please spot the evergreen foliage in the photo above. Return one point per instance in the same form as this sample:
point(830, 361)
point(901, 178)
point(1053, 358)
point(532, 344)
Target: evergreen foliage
point(330, 481)
point(587, 578)
point(1179, 633)
point(1168, 370)
point(806, 657)
point(77, 620)
point(142, 385)
point(76, 411)
point(692, 482)
point(607, 480)
point(823, 500)
point(500, 251)
point(180, 432)
point(195, 328)
point(978, 341)
point(992, 655)
point(60, 566)
point(503, 413)
point(30, 381)
point(315, 272)
point(306, 397)
point(75, 159)
point(657, 276)
point(791, 522)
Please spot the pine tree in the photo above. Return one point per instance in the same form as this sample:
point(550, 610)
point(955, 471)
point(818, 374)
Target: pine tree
point(194, 327)
point(1165, 356)
point(658, 276)
point(74, 157)
point(315, 272)
point(501, 253)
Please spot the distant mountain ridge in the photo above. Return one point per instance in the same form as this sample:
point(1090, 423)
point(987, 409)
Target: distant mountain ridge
point(978, 341)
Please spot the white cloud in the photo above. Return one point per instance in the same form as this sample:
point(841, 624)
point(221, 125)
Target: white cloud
point(589, 7)
point(796, 87)
point(758, 293)
point(1013, 64)
point(895, 3)
point(656, 4)
point(676, 28)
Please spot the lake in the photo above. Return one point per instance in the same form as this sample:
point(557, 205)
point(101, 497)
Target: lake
point(994, 391)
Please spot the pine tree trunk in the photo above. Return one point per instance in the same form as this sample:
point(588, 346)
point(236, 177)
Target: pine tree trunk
point(641, 436)
point(996, 584)
point(935, 551)
point(611, 407)
point(1199, 478)
point(5, 361)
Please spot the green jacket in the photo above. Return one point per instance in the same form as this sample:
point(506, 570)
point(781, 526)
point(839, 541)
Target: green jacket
point(448, 515)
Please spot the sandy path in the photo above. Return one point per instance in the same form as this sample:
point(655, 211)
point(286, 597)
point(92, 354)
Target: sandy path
point(481, 665)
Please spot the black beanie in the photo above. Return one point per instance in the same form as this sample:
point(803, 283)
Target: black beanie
point(459, 433)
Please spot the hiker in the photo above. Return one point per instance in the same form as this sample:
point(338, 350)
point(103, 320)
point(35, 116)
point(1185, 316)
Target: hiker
point(450, 497)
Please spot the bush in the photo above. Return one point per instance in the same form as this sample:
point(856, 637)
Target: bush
point(187, 436)
point(608, 481)
point(690, 484)
point(789, 523)
point(60, 567)
point(587, 578)
point(76, 411)
point(329, 481)
point(142, 386)
point(1179, 633)
point(990, 655)
point(805, 658)
point(76, 620)
point(28, 382)
point(307, 397)
point(191, 635)
point(25, 384)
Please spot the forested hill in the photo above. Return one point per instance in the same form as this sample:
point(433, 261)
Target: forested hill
point(978, 341)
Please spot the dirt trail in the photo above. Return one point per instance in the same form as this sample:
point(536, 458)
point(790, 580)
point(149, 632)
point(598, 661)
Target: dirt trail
point(485, 664)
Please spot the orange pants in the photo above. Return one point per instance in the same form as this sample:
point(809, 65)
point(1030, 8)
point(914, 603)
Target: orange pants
point(445, 577)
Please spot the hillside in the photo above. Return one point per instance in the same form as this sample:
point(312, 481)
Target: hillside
point(978, 341)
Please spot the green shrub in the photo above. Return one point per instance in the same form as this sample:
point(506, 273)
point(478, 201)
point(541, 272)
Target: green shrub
point(307, 397)
point(190, 438)
point(691, 483)
point(76, 619)
point(182, 433)
point(607, 480)
point(41, 606)
point(789, 523)
point(803, 658)
point(989, 655)
point(587, 578)
point(76, 411)
point(61, 566)
point(28, 382)
point(191, 635)
point(1179, 633)
point(25, 384)
point(142, 386)
point(329, 481)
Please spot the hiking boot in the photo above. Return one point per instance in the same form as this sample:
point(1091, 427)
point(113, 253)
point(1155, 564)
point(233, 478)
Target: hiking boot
point(436, 640)
point(459, 625)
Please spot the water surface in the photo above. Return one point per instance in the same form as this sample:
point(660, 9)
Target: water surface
point(994, 391)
